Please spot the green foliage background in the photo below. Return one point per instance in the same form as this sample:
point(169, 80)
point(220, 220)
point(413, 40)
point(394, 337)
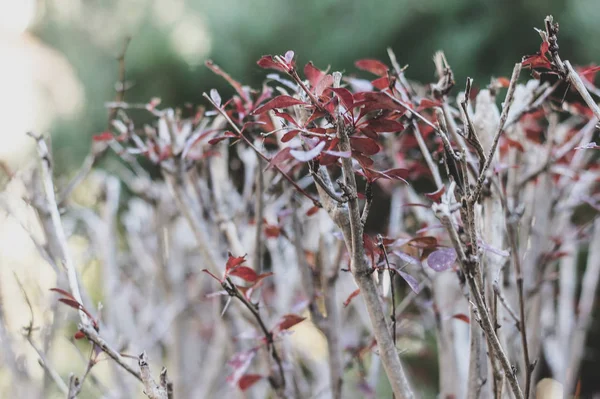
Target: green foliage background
point(481, 38)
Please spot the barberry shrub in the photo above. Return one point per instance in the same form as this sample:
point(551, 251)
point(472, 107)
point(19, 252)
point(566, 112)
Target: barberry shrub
point(247, 261)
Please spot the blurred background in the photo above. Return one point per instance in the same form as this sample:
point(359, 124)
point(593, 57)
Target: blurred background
point(59, 60)
point(59, 56)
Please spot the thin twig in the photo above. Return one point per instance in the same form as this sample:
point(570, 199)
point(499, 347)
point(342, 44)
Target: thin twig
point(503, 116)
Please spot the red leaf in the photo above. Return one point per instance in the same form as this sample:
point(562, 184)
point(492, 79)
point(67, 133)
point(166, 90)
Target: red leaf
point(381, 125)
point(104, 136)
point(278, 102)
point(436, 195)
point(503, 82)
point(285, 116)
point(235, 84)
point(225, 136)
point(234, 261)
point(441, 259)
point(272, 231)
point(268, 62)
point(313, 74)
point(63, 292)
point(79, 335)
point(305, 156)
point(71, 302)
point(426, 103)
point(462, 317)
point(245, 273)
point(381, 83)
point(262, 276)
point(289, 135)
point(279, 158)
point(344, 95)
point(352, 295)
point(397, 174)
point(288, 321)
point(312, 211)
point(374, 66)
point(364, 145)
point(247, 380)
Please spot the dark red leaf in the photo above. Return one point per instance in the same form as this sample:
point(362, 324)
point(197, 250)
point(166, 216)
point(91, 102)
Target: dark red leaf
point(374, 66)
point(288, 321)
point(363, 160)
point(71, 302)
point(286, 116)
point(104, 136)
point(462, 317)
point(351, 296)
point(364, 145)
point(313, 74)
point(247, 380)
point(397, 174)
point(441, 259)
point(79, 335)
point(289, 135)
point(278, 102)
point(225, 136)
point(63, 292)
point(305, 156)
point(381, 125)
point(345, 96)
point(436, 195)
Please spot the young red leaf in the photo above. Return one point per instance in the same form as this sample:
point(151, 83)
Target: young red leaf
point(426, 103)
point(436, 195)
point(441, 259)
point(351, 296)
point(374, 66)
point(313, 74)
point(245, 273)
point(278, 102)
point(234, 261)
point(312, 211)
point(381, 83)
point(71, 302)
point(79, 335)
point(104, 136)
point(225, 136)
point(261, 276)
point(305, 156)
point(397, 173)
point(462, 317)
point(272, 231)
point(364, 145)
point(247, 380)
point(288, 321)
point(268, 62)
point(63, 292)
